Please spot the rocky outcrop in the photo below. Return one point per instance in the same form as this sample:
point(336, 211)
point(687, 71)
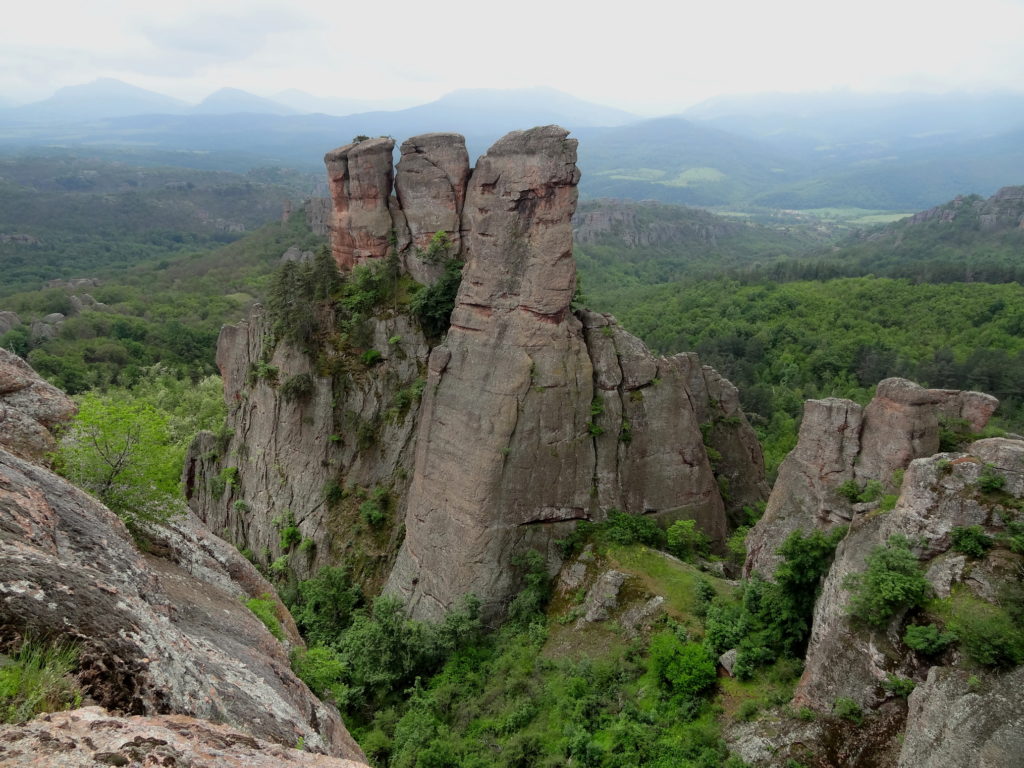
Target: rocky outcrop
point(162, 631)
point(8, 320)
point(840, 443)
point(360, 176)
point(29, 409)
point(953, 722)
point(532, 417)
point(304, 460)
point(938, 494)
point(602, 598)
point(157, 633)
point(1004, 210)
point(430, 183)
point(91, 736)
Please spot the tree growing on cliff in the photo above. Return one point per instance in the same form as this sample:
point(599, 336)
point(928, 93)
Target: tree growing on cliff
point(892, 582)
point(120, 449)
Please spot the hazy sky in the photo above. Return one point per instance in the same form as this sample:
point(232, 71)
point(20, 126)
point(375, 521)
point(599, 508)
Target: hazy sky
point(638, 54)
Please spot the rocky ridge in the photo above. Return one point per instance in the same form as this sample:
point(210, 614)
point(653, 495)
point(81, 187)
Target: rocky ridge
point(1004, 210)
point(92, 736)
point(532, 416)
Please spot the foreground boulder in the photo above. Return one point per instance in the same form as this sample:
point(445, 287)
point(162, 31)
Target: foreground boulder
point(91, 736)
point(157, 632)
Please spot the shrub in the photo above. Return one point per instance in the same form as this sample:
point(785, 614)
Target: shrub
point(848, 709)
point(334, 493)
point(36, 679)
point(1015, 537)
point(898, 686)
point(683, 670)
point(987, 633)
point(297, 387)
point(371, 357)
point(971, 540)
point(685, 540)
point(990, 481)
point(265, 609)
point(325, 605)
point(891, 582)
point(623, 528)
point(121, 449)
point(433, 305)
point(849, 491)
point(927, 639)
point(528, 606)
point(322, 669)
point(374, 510)
point(290, 536)
point(748, 710)
point(736, 544)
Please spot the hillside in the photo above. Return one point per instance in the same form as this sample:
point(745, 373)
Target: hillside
point(620, 243)
point(67, 215)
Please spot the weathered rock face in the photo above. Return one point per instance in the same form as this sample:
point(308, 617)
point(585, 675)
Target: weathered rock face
point(284, 455)
point(91, 736)
point(29, 409)
point(938, 494)
point(532, 417)
point(157, 633)
point(952, 724)
point(360, 176)
point(840, 442)
point(430, 183)
point(160, 632)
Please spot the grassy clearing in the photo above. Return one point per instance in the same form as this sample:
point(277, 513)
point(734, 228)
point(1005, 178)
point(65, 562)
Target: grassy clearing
point(694, 177)
point(854, 216)
point(665, 575)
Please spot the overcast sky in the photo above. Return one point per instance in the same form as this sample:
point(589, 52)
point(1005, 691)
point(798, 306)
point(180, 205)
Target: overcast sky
point(640, 55)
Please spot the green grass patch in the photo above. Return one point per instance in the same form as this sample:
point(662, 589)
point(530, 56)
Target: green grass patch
point(36, 679)
point(694, 176)
point(663, 575)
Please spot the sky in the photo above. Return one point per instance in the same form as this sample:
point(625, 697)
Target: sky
point(644, 56)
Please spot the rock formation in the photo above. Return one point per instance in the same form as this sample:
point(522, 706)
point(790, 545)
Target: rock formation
point(8, 320)
point(841, 442)
point(91, 736)
point(938, 494)
point(532, 417)
point(29, 409)
point(361, 177)
point(158, 632)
